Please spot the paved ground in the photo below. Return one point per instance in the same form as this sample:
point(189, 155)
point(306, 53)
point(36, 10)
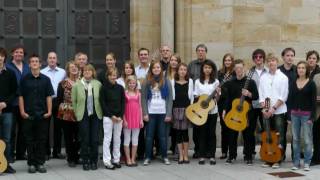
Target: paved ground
point(58, 169)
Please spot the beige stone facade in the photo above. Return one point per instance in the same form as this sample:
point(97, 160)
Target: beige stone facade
point(236, 26)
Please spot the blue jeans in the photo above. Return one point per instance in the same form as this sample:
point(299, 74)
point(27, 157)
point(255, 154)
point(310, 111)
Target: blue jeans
point(299, 122)
point(156, 121)
point(5, 132)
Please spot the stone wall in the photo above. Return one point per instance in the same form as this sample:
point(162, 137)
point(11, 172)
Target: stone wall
point(236, 26)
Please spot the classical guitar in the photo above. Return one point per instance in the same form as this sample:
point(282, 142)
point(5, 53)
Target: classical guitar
point(269, 151)
point(197, 113)
point(3, 160)
point(236, 118)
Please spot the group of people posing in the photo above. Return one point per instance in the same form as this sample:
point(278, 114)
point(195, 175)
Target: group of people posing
point(138, 107)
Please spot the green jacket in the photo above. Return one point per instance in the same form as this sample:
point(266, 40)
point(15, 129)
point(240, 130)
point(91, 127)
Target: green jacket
point(78, 96)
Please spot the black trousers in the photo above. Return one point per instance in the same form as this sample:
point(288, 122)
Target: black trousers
point(57, 131)
point(71, 138)
point(142, 143)
point(89, 138)
point(248, 139)
point(207, 137)
point(36, 132)
point(224, 135)
point(18, 143)
point(316, 142)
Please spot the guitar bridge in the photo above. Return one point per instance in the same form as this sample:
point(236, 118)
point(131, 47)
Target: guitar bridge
point(235, 120)
point(196, 114)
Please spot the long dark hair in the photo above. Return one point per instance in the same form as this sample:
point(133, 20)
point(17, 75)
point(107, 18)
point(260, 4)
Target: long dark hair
point(213, 73)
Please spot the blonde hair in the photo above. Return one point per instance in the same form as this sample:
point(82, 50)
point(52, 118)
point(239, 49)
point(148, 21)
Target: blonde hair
point(271, 56)
point(90, 68)
point(131, 78)
point(68, 67)
point(111, 71)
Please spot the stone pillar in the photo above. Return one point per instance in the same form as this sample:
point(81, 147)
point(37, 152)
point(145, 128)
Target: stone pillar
point(167, 22)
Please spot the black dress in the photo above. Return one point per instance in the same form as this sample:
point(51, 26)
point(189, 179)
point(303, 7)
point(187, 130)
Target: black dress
point(180, 103)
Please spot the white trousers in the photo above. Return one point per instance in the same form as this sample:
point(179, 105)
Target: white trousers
point(110, 130)
point(131, 135)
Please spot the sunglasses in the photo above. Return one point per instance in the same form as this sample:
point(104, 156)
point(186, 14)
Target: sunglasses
point(258, 56)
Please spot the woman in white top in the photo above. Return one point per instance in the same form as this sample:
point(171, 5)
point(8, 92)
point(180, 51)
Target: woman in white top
point(207, 132)
point(128, 70)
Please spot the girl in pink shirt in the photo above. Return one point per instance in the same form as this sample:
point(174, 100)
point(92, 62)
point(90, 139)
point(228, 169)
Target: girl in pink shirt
point(132, 119)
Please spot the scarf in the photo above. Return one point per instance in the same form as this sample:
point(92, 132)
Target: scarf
point(88, 87)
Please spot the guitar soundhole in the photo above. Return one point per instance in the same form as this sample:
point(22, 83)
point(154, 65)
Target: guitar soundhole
point(204, 104)
point(239, 108)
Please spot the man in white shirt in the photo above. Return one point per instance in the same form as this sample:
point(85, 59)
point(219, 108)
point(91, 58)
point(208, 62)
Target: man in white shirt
point(56, 75)
point(274, 85)
point(143, 67)
point(141, 72)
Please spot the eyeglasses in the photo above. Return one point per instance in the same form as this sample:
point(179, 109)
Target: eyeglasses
point(258, 56)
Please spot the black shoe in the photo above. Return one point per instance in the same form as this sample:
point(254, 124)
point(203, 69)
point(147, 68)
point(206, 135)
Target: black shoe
point(249, 162)
point(201, 162)
point(72, 164)
point(213, 161)
point(86, 167)
point(10, 170)
point(32, 169)
point(41, 169)
point(117, 165)
point(180, 161)
point(186, 161)
point(230, 161)
point(58, 156)
point(94, 166)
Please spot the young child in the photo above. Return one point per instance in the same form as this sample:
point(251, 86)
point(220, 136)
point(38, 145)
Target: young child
point(113, 103)
point(132, 120)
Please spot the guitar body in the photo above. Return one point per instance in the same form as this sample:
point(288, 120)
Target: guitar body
point(3, 160)
point(236, 118)
point(270, 152)
point(197, 113)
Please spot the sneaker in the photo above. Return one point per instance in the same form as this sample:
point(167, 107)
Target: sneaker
point(265, 165)
point(166, 161)
point(32, 169)
point(146, 162)
point(275, 166)
point(109, 166)
point(230, 161)
point(10, 170)
point(249, 162)
point(294, 168)
point(306, 167)
point(212, 161)
point(41, 169)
